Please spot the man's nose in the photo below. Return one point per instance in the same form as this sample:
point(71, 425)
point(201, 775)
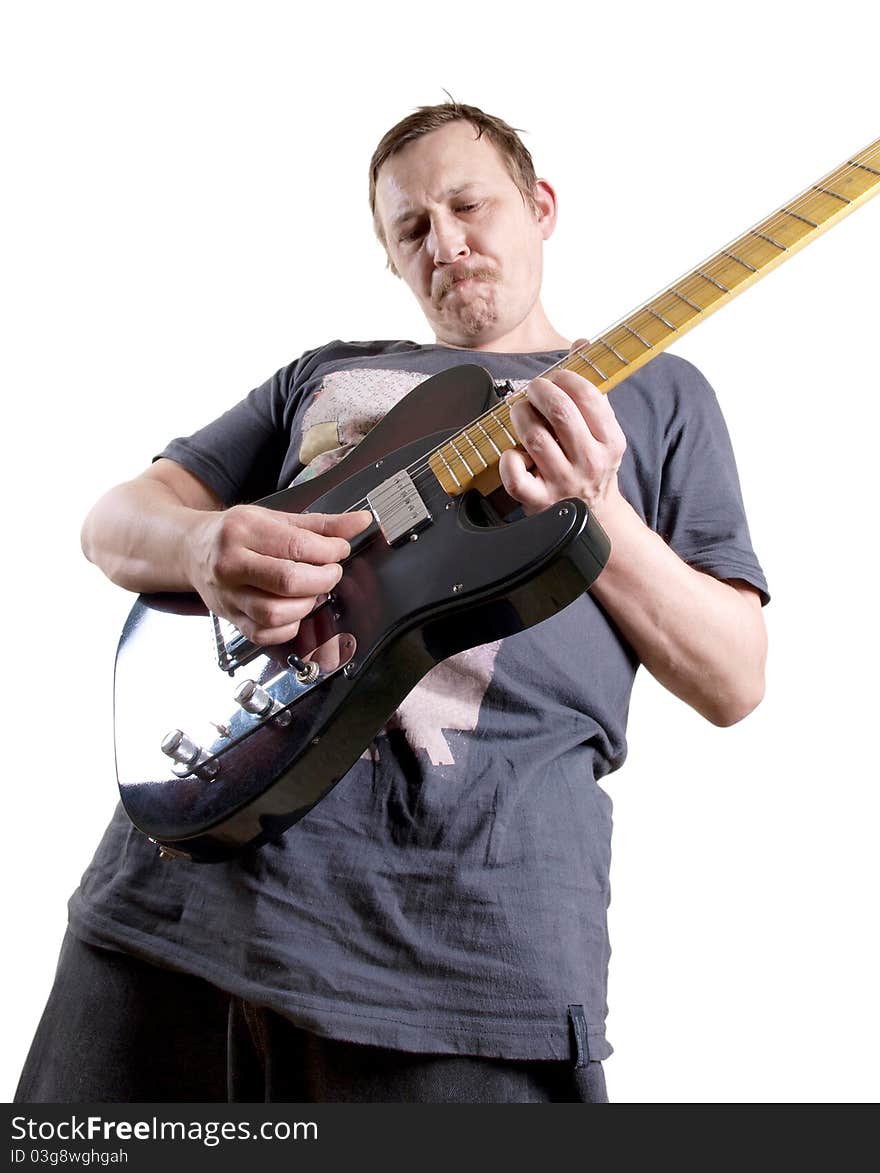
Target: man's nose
point(447, 242)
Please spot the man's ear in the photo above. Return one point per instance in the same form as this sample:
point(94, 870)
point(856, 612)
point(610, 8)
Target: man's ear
point(546, 206)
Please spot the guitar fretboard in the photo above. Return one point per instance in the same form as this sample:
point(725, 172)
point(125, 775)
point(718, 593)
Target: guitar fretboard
point(470, 459)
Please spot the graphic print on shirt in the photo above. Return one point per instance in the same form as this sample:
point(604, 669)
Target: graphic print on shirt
point(348, 404)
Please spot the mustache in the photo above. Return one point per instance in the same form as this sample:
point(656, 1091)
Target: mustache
point(450, 280)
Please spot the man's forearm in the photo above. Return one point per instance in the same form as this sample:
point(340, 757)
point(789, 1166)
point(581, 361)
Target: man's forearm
point(702, 638)
point(263, 569)
point(138, 534)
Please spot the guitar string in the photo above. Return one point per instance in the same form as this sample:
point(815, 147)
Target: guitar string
point(688, 284)
point(497, 430)
point(869, 155)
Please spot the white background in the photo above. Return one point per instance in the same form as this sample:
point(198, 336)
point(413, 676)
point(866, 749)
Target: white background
point(186, 211)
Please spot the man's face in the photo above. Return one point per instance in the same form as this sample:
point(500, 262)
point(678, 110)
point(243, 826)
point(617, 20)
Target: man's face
point(462, 237)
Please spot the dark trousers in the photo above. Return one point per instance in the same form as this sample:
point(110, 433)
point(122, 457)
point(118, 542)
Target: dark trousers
point(119, 1030)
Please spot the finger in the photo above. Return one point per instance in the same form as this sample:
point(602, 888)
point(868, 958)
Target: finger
point(282, 577)
point(592, 406)
point(340, 525)
point(537, 435)
point(577, 344)
point(261, 635)
point(519, 481)
point(297, 537)
point(269, 612)
point(557, 411)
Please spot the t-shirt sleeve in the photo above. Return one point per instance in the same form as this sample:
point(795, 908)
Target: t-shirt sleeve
point(701, 513)
point(240, 454)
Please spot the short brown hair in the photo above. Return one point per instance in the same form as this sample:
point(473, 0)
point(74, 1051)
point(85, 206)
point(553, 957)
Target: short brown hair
point(504, 138)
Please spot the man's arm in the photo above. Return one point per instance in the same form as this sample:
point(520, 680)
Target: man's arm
point(702, 638)
point(260, 568)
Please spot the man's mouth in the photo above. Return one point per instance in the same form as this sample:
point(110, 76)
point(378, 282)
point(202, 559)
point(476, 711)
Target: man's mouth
point(459, 279)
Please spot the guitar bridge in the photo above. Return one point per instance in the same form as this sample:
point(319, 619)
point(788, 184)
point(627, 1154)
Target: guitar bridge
point(233, 649)
point(398, 508)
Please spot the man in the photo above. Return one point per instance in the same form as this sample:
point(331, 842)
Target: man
point(435, 928)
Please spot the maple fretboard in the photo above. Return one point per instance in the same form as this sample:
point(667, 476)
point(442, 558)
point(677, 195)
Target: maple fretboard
point(471, 457)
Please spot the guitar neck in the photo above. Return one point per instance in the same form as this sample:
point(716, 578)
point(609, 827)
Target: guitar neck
point(470, 459)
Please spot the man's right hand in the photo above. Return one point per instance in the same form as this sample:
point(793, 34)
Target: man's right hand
point(263, 569)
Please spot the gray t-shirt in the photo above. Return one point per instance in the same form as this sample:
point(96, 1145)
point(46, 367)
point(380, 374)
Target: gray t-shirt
point(450, 894)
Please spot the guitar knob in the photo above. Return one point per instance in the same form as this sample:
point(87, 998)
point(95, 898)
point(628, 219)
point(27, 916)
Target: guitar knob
point(254, 699)
point(181, 748)
point(190, 758)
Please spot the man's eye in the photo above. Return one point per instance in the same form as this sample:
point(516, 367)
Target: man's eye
point(418, 230)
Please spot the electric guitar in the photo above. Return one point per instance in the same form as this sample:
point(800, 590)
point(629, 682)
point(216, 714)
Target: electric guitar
point(222, 744)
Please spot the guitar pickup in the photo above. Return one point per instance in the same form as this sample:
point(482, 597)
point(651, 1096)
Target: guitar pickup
point(398, 508)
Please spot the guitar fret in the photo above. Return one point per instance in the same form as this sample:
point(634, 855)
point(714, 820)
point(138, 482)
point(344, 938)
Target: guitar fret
point(448, 467)
point(616, 353)
point(476, 449)
point(636, 334)
point(739, 261)
point(717, 284)
point(461, 458)
point(660, 318)
point(488, 437)
point(503, 428)
point(601, 374)
point(803, 219)
point(829, 192)
point(864, 167)
point(770, 240)
point(687, 300)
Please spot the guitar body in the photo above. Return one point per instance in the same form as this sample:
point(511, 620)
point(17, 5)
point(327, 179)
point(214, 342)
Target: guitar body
point(463, 579)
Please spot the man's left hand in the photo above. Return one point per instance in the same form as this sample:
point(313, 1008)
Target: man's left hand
point(573, 445)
